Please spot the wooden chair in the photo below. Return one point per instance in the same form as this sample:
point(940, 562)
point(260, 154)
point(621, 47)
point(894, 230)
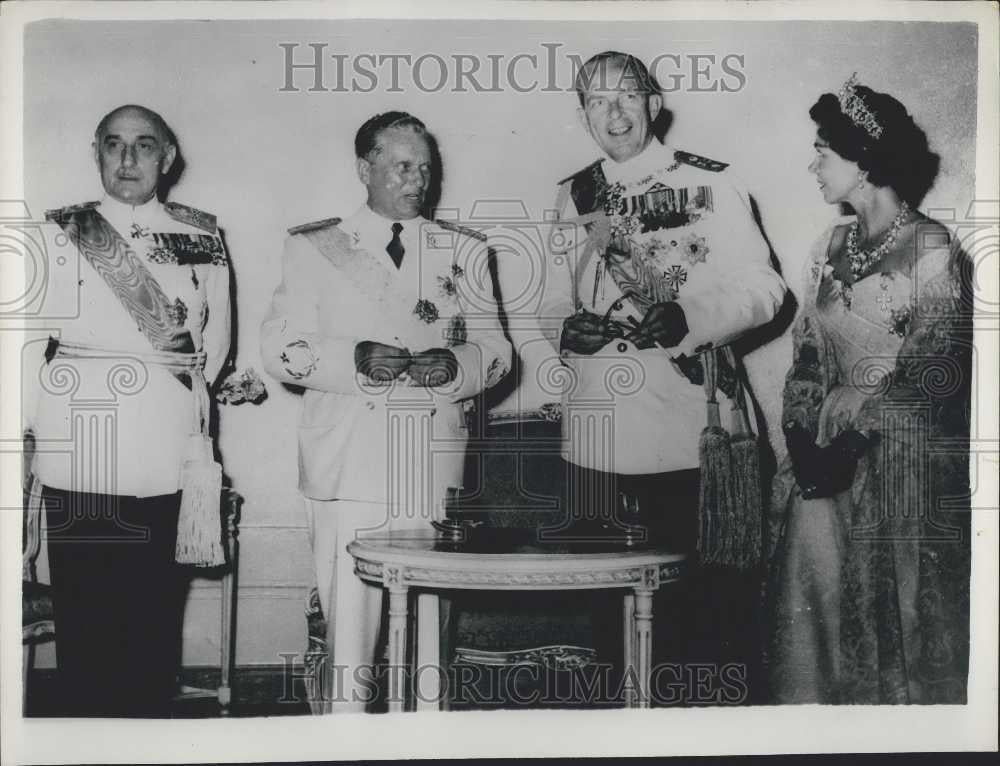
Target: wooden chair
point(232, 502)
point(517, 481)
point(37, 619)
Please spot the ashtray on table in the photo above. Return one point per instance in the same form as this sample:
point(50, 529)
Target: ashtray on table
point(455, 530)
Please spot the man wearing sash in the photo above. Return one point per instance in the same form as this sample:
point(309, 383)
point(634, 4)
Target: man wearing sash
point(656, 266)
point(121, 412)
point(378, 319)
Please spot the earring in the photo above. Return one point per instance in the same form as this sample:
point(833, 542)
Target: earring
point(861, 180)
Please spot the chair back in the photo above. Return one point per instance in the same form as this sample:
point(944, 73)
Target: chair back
point(31, 492)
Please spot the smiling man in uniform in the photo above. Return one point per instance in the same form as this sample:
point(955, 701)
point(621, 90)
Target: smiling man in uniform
point(657, 266)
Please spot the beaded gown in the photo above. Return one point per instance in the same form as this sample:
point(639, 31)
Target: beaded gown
point(868, 591)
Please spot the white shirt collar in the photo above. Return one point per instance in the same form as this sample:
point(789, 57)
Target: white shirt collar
point(653, 157)
point(144, 214)
point(375, 229)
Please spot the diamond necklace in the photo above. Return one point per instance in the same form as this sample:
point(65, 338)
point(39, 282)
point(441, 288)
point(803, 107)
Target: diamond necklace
point(862, 260)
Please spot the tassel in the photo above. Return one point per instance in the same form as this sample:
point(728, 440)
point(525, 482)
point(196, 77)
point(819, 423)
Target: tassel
point(748, 504)
point(199, 527)
point(746, 492)
point(715, 501)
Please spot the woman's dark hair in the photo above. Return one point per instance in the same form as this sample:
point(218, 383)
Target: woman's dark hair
point(898, 158)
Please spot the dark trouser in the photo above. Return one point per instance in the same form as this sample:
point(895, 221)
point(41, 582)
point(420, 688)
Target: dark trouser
point(118, 601)
point(707, 624)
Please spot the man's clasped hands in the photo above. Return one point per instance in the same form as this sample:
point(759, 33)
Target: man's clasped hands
point(383, 363)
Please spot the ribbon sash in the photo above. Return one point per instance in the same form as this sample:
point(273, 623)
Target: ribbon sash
point(128, 278)
point(367, 274)
point(632, 275)
point(198, 532)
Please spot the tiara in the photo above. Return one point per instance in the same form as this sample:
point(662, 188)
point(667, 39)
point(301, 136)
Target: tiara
point(854, 107)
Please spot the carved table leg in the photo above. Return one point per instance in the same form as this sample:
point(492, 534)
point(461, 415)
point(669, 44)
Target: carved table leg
point(398, 615)
point(427, 674)
point(644, 642)
point(628, 632)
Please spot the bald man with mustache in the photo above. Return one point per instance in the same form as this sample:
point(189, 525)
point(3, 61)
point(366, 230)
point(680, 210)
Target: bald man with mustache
point(142, 287)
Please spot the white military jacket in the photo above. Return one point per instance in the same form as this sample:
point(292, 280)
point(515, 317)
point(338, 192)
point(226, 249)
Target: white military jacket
point(117, 425)
point(629, 410)
point(360, 440)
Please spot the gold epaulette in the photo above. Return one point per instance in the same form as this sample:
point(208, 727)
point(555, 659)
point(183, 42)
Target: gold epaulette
point(314, 225)
point(451, 226)
point(64, 212)
point(704, 163)
point(587, 169)
point(191, 216)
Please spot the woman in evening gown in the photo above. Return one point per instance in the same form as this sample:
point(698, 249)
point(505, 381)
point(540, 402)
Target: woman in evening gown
point(868, 581)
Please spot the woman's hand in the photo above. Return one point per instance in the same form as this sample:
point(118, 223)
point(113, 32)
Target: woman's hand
point(803, 453)
point(824, 471)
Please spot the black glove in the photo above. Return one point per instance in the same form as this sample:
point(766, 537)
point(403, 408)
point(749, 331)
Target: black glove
point(664, 325)
point(587, 333)
point(824, 471)
point(381, 362)
point(434, 367)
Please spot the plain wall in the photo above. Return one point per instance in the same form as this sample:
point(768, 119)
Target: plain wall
point(265, 160)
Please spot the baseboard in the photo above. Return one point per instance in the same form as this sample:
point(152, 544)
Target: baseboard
point(252, 684)
point(255, 690)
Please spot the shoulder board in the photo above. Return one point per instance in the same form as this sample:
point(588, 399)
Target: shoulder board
point(64, 212)
point(587, 169)
point(704, 163)
point(303, 228)
point(452, 226)
point(191, 216)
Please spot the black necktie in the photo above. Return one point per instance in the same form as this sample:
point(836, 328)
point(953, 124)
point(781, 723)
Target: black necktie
point(395, 247)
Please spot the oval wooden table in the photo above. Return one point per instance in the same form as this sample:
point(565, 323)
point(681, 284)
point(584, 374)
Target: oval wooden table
point(400, 562)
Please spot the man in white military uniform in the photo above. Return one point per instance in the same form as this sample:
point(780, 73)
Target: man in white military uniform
point(377, 319)
point(657, 258)
point(117, 400)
